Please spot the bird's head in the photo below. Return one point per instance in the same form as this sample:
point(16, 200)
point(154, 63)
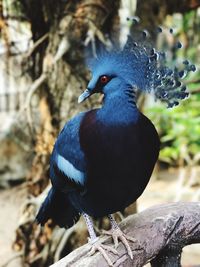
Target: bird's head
point(137, 66)
point(110, 69)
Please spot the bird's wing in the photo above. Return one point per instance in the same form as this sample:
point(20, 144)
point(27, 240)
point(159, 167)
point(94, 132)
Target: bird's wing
point(68, 164)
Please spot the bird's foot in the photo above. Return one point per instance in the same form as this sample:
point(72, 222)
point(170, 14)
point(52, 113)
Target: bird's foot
point(96, 245)
point(117, 235)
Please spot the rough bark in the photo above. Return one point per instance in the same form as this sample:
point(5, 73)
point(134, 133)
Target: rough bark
point(161, 233)
point(64, 61)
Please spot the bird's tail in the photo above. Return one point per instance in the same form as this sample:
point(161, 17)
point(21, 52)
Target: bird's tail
point(57, 207)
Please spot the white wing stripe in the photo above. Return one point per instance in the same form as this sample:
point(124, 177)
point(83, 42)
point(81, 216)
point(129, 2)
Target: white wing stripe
point(70, 171)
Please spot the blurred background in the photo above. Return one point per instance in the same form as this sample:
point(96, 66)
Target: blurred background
point(43, 71)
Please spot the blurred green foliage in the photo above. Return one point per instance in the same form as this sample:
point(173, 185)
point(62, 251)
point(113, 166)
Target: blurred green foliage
point(179, 130)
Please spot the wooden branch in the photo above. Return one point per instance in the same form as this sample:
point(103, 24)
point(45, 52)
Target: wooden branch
point(36, 84)
point(161, 231)
point(196, 91)
point(36, 44)
point(192, 81)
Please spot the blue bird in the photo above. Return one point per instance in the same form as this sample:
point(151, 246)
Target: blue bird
point(103, 158)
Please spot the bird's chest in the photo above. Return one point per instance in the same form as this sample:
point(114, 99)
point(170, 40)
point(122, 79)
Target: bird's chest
point(120, 160)
point(113, 150)
point(110, 148)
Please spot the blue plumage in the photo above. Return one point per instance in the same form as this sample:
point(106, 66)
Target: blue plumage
point(67, 156)
point(103, 158)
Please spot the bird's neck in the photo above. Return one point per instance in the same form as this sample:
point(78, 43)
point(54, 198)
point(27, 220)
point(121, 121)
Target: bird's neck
point(119, 107)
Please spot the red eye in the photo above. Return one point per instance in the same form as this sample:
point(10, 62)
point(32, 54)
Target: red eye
point(104, 79)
